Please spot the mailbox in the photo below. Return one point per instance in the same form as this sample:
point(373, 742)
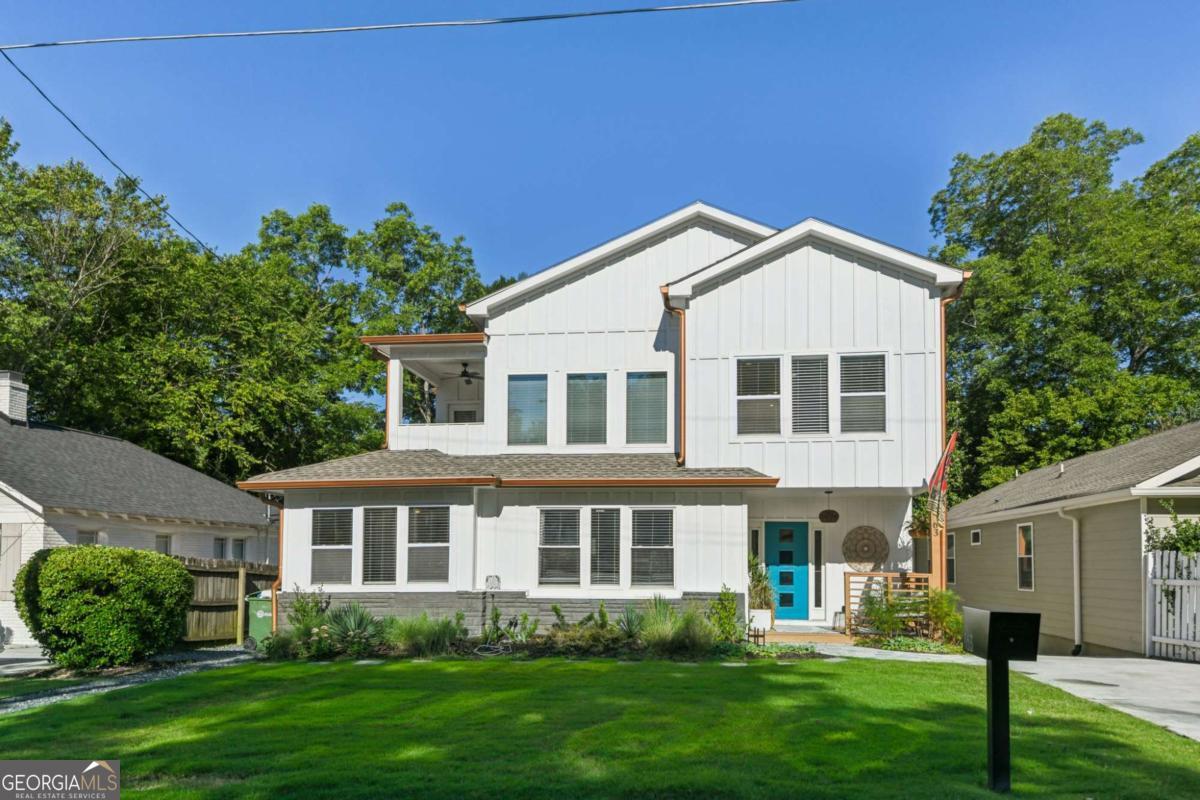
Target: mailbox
point(1007, 635)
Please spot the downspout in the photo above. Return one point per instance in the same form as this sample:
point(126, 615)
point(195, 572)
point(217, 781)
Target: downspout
point(1077, 593)
point(937, 539)
point(681, 372)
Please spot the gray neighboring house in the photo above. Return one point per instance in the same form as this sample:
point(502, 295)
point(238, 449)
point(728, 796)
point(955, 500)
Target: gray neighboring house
point(1067, 540)
point(62, 487)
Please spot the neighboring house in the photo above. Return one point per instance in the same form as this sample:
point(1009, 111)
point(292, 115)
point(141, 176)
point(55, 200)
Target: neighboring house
point(636, 421)
point(1067, 540)
point(63, 487)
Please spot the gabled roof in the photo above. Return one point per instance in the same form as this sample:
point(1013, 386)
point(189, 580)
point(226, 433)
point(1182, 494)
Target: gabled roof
point(693, 212)
point(812, 228)
point(435, 468)
point(73, 470)
point(1162, 462)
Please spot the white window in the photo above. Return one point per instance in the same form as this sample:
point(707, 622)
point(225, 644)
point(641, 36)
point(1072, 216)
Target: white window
point(976, 537)
point(652, 558)
point(558, 546)
point(162, 543)
point(219, 545)
point(950, 560)
point(646, 408)
point(87, 537)
point(1025, 557)
point(526, 409)
point(239, 549)
point(757, 395)
point(587, 409)
point(810, 394)
point(864, 393)
point(428, 544)
point(332, 538)
point(379, 545)
point(606, 546)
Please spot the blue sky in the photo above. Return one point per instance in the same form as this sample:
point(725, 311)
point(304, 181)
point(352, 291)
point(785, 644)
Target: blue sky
point(538, 141)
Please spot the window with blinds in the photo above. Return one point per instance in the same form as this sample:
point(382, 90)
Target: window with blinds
point(810, 394)
point(526, 409)
point(332, 537)
point(429, 544)
point(652, 557)
point(864, 393)
point(646, 408)
point(757, 395)
point(219, 544)
point(606, 546)
point(558, 546)
point(587, 409)
point(379, 545)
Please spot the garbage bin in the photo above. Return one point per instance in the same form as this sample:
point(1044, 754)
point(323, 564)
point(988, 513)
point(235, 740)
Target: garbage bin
point(259, 613)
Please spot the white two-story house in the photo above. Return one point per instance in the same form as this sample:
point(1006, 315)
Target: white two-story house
point(639, 419)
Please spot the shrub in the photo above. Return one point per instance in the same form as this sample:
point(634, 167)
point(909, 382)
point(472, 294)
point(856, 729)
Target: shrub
point(308, 617)
point(945, 619)
point(723, 614)
point(693, 636)
point(422, 636)
point(760, 591)
point(882, 614)
point(587, 640)
point(280, 646)
point(630, 623)
point(658, 625)
point(355, 630)
point(94, 607)
point(1181, 536)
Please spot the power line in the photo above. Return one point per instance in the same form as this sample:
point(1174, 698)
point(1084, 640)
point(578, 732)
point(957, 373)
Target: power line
point(460, 23)
point(101, 151)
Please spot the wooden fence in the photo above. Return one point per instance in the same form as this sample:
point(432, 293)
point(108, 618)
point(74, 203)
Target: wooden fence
point(1173, 606)
point(218, 608)
point(912, 587)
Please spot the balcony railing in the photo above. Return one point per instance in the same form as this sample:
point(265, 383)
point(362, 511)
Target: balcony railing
point(460, 439)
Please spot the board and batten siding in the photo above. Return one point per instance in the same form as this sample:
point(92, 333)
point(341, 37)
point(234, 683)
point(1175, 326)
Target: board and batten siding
point(1110, 575)
point(816, 299)
point(608, 318)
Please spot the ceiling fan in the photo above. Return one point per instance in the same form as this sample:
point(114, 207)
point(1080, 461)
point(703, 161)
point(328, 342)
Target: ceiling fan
point(467, 375)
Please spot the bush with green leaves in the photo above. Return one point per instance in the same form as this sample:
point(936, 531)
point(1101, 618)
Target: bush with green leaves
point(308, 617)
point(1181, 536)
point(882, 614)
point(723, 614)
point(423, 635)
point(945, 618)
point(93, 607)
point(355, 630)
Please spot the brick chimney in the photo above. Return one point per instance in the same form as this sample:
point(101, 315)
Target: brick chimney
point(14, 394)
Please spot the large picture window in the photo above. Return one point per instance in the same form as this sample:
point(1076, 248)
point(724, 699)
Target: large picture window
point(606, 546)
point(652, 558)
point(379, 545)
point(526, 409)
point(757, 395)
point(428, 544)
point(864, 393)
point(332, 538)
point(587, 409)
point(646, 408)
point(1025, 557)
point(558, 546)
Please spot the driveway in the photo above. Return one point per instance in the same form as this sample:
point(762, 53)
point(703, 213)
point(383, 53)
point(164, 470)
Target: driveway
point(1162, 692)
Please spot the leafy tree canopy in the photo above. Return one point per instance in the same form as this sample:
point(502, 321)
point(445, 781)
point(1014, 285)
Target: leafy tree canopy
point(1080, 326)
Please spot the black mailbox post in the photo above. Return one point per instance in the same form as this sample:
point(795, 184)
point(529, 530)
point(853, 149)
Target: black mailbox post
point(1000, 637)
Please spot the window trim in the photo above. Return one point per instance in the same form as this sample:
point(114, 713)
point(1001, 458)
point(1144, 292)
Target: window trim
point(603, 376)
point(951, 557)
point(311, 547)
point(840, 395)
point(976, 540)
point(545, 376)
point(448, 544)
point(633, 548)
point(1032, 555)
point(779, 396)
point(578, 547)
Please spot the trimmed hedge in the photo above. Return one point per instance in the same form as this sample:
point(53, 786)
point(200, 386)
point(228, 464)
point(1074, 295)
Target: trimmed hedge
point(92, 607)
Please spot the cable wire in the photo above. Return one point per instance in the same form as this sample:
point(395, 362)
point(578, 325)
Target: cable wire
point(101, 151)
point(460, 23)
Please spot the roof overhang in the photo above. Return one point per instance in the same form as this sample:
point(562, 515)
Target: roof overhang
point(495, 482)
point(91, 513)
point(1173, 474)
point(438, 346)
point(813, 229)
point(480, 309)
point(1070, 504)
point(28, 502)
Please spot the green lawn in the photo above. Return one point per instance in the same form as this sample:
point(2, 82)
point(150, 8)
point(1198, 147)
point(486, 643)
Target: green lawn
point(562, 729)
point(15, 687)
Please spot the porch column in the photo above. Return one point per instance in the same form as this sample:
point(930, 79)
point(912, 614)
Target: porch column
point(395, 399)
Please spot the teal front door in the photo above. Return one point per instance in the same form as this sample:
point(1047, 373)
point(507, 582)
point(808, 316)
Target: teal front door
point(787, 566)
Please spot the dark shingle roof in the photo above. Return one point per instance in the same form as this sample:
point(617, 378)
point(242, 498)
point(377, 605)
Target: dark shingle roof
point(403, 465)
point(64, 468)
point(1120, 467)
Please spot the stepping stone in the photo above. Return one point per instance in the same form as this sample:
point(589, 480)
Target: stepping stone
point(834, 660)
point(422, 661)
point(368, 662)
point(733, 663)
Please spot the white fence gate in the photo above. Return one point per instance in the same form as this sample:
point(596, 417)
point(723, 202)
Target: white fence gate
point(1173, 606)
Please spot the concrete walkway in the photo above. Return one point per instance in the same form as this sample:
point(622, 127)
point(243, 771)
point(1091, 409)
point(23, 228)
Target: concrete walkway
point(1162, 692)
point(21, 659)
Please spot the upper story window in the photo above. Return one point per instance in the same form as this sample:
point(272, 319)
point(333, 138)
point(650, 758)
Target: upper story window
point(864, 397)
point(757, 395)
point(646, 408)
point(526, 409)
point(587, 409)
point(810, 394)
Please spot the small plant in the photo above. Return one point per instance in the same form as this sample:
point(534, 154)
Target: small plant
point(882, 615)
point(945, 620)
point(521, 629)
point(693, 635)
point(760, 591)
point(493, 632)
point(602, 616)
point(355, 630)
point(560, 620)
point(308, 609)
point(723, 614)
point(422, 636)
point(280, 646)
point(630, 623)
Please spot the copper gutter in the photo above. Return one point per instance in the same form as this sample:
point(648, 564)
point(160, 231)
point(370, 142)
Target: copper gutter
point(681, 373)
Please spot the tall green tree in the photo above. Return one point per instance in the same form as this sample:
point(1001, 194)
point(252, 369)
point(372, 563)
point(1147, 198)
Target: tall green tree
point(1080, 327)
